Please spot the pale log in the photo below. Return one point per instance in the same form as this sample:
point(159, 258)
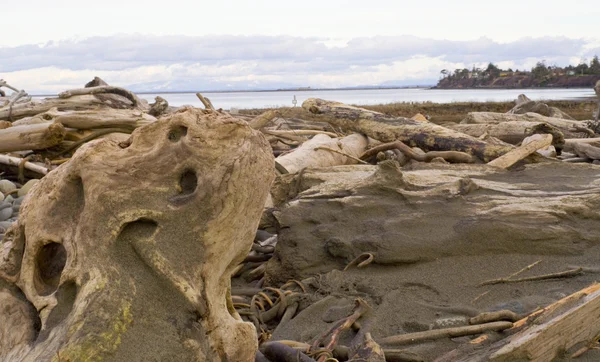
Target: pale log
point(551, 335)
point(31, 137)
point(521, 152)
point(102, 89)
point(512, 132)
point(570, 128)
point(262, 120)
point(425, 135)
point(90, 119)
point(587, 150)
point(83, 102)
point(313, 153)
point(16, 161)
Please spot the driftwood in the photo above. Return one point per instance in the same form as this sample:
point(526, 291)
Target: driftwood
point(417, 337)
point(18, 162)
point(425, 135)
point(103, 89)
point(521, 152)
point(587, 151)
point(317, 152)
point(262, 120)
point(31, 137)
point(513, 132)
point(569, 128)
point(450, 156)
point(205, 101)
point(90, 119)
point(81, 103)
point(525, 105)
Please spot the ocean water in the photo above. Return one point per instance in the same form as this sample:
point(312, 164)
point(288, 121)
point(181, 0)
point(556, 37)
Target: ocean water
point(244, 100)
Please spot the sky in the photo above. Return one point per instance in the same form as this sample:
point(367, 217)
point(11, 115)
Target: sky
point(50, 46)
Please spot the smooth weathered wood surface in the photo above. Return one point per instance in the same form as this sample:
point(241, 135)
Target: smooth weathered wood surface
point(425, 135)
point(314, 153)
point(89, 119)
point(31, 137)
point(547, 338)
point(521, 152)
point(513, 132)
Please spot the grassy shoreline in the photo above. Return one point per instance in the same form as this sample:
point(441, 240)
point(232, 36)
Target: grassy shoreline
point(581, 109)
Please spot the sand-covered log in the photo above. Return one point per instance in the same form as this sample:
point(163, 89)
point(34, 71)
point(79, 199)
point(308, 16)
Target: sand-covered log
point(125, 253)
point(430, 212)
point(425, 135)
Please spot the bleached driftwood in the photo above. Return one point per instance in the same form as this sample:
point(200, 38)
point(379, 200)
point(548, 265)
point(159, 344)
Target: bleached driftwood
point(521, 152)
point(31, 137)
point(317, 152)
point(16, 161)
point(89, 119)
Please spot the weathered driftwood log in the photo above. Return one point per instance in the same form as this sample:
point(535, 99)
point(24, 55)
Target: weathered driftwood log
point(339, 213)
point(96, 82)
point(89, 119)
point(425, 135)
point(568, 127)
point(263, 119)
point(102, 89)
point(74, 103)
point(17, 162)
point(320, 151)
point(526, 105)
point(512, 132)
point(545, 334)
point(31, 137)
point(126, 252)
point(586, 150)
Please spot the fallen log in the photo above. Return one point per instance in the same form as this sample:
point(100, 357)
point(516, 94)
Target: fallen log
point(320, 151)
point(31, 137)
point(513, 132)
point(74, 103)
point(425, 135)
point(17, 162)
point(262, 120)
point(102, 89)
point(587, 151)
point(90, 119)
point(571, 129)
point(516, 155)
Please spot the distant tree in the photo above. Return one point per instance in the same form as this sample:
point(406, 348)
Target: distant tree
point(511, 71)
point(582, 68)
point(444, 73)
point(492, 70)
point(540, 70)
point(595, 65)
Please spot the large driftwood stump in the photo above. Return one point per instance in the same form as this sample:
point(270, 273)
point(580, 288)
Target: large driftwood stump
point(125, 252)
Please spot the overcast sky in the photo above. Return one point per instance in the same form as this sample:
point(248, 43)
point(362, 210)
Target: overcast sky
point(48, 46)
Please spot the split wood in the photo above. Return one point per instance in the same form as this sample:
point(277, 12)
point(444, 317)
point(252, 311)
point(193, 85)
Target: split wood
point(521, 152)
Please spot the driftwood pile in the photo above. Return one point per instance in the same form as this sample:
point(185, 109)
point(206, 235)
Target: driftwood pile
point(356, 190)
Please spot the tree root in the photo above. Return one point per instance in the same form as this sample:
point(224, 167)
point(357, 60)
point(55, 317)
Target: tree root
point(361, 264)
point(501, 315)
point(566, 274)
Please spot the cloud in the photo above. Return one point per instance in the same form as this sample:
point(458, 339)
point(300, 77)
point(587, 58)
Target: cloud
point(225, 61)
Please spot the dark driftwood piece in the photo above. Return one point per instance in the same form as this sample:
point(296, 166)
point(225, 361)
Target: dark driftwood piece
point(425, 135)
point(101, 90)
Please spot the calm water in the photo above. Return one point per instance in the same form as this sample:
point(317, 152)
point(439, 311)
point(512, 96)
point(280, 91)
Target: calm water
point(243, 100)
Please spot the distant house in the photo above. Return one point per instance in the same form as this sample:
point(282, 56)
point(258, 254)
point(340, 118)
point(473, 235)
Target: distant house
point(571, 72)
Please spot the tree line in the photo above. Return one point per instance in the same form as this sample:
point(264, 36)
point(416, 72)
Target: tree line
point(540, 71)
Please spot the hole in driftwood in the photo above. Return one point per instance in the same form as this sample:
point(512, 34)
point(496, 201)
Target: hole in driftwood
point(188, 182)
point(176, 133)
point(50, 262)
point(139, 229)
point(65, 297)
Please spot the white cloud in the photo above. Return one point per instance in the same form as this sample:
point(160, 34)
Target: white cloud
point(149, 62)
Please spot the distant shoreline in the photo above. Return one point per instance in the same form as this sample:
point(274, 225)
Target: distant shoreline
point(331, 89)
